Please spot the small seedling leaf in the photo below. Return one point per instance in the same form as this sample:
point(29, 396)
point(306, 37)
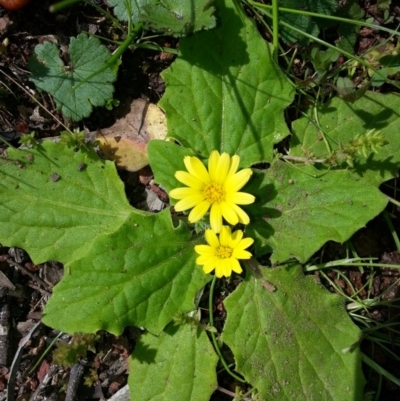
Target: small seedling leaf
point(391, 62)
point(179, 364)
point(226, 92)
point(50, 74)
point(283, 344)
point(298, 209)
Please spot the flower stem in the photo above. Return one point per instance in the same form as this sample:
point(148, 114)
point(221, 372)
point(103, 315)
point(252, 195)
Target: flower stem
point(214, 340)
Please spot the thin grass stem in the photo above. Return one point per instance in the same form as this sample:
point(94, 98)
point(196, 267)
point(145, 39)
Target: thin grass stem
point(392, 230)
point(46, 351)
point(275, 29)
point(328, 45)
point(35, 100)
point(383, 372)
point(394, 201)
point(330, 17)
point(62, 4)
point(349, 262)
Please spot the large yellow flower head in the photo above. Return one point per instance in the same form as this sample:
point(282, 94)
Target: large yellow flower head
point(216, 188)
point(222, 253)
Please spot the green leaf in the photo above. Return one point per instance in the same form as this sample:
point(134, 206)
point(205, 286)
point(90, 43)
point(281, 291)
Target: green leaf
point(225, 92)
point(378, 79)
point(123, 266)
point(164, 166)
point(177, 365)
point(345, 87)
point(340, 122)
point(51, 75)
point(136, 6)
point(294, 213)
point(348, 33)
point(68, 354)
point(55, 202)
point(391, 62)
point(304, 22)
point(278, 331)
point(323, 59)
point(142, 275)
point(179, 17)
point(298, 209)
point(174, 17)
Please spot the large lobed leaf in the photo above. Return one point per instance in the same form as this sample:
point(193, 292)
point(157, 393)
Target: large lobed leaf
point(299, 208)
point(179, 365)
point(143, 274)
point(289, 337)
point(123, 266)
point(55, 202)
point(51, 75)
point(225, 92)
point(340, 121)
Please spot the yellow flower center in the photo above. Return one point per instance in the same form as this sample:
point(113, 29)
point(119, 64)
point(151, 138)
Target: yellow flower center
point(214, 193)
point(223, 252)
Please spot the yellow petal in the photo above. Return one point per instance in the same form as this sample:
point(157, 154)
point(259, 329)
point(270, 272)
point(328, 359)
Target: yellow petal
point(219, 271)
point(197, 168)
point(204, 250)
point(236, 238)
point(236, 266)
point(229, 213)
point(203, 259)
point(211, 238)
point(245, 243)
point(241, 254)
point(198, 211)
point(208, 268)
point(226, 267)
point(235, 160)
point(213, 164)
point(238, 181)
point(189, 180)
point(222, 168)
point(216, 217)
point(189, 202)
point(225, 236)
point(240, 198)
point(180, 193)
point(243, 217)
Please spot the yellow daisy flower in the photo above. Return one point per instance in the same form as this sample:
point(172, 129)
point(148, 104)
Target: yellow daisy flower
point(216, 188)
point(222, 253)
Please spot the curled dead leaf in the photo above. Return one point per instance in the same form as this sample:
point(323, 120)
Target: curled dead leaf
point(125, 142)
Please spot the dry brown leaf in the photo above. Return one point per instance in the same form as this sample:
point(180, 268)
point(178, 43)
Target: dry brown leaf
point(126, 141)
